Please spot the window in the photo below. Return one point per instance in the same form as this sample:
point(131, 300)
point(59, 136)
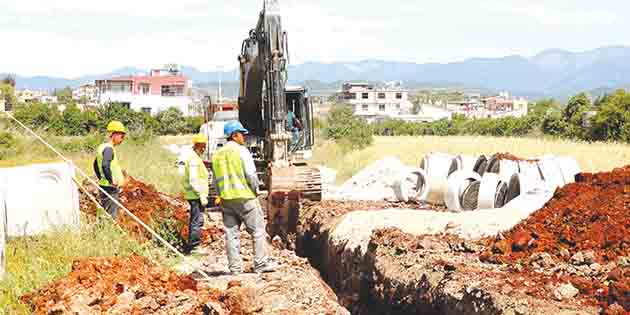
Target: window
point(145, 88)
point(356, 96)
point(398, 106)
point(399, 96)
point(365, 96)
point(146, 110)
point(364, 107)
point(381, 95)
point(172, 90)
point(381, 107)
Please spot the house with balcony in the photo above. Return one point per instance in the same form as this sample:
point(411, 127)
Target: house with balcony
point(375, 102)
point(85, 94)
point(150, 93)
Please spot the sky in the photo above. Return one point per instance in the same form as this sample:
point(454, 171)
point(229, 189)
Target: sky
point(69, 38)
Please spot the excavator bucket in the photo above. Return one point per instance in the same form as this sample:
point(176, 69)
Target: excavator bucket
point(287, 186)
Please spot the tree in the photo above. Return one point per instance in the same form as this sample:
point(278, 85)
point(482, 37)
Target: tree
point(171, 122)
point(345, 127)
point(574, 115)
point(64, 95)
point(612, 121)
point(9, 80)
point(542, 107)
point(74, 122)
point(7, 93)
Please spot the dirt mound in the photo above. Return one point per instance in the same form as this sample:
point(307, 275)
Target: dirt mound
point(150, 206)
point(511, 157)
point(127, 286)
point(587, 223)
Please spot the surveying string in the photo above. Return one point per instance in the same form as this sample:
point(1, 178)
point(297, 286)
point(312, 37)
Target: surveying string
point(133, 216)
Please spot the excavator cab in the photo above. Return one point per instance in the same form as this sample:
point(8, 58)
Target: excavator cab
point(301, 128)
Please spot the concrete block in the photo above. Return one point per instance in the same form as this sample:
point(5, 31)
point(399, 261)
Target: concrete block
point(39, 198)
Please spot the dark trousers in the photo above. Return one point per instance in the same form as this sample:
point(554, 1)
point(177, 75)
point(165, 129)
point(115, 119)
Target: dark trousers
point(194, 224)
point(109, 205)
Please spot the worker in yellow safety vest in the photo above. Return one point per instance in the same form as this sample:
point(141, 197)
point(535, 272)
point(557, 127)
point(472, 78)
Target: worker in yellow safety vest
point(236, 183)
point(106, 165)
point(195, 183)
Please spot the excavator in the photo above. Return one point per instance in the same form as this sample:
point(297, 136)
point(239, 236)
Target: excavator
point(280, 151)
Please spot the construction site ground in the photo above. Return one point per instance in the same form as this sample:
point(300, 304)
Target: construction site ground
point(570, 257)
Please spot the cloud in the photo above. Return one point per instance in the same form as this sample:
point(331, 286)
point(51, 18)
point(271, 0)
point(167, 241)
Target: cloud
point(75, 37)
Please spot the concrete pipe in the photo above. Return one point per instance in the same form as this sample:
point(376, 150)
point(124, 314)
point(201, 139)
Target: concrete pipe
point(470, 197)
point(462, 163)
point(411, 186)
point(530, 170)
point(481, 165)
point(457, 183)
point(435, 166)
point(570, 167)
point(504, 168)
point(551, 172)
point(522, 183)
point(492, 192)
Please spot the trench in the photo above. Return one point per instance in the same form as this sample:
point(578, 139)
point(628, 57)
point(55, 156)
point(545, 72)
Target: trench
point(365, 289)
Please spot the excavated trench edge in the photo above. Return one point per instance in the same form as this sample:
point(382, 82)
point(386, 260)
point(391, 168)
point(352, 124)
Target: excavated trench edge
point(363, 289)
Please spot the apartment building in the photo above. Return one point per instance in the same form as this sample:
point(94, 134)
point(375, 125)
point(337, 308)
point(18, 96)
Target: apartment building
point(86, 92)
point(150, 93)
point(370, 101)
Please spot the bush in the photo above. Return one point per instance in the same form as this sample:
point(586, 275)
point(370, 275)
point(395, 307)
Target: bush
point(345, 127)
point(8, 145)
point(612, 121)
point(171, 122)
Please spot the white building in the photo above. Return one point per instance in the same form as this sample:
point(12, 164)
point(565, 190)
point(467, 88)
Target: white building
point(158, 91)
point(371, 102)
point(86, 92)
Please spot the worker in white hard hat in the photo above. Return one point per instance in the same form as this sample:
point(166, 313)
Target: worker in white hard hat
point(107, 167)
point(236, 183)
point(195, 183)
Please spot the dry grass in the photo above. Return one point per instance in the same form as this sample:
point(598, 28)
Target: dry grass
point(591, 156)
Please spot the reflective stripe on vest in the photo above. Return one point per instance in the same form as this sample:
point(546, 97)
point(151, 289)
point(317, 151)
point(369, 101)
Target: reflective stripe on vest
point(114, 166)
point(201, 181)
point(229, 173)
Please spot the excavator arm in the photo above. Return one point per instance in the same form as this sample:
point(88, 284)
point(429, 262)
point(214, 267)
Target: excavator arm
point(263, 77)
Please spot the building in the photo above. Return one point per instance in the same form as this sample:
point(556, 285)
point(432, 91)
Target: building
point(29, 96)
point(152, 93)
point(370, 101)
point(87, 93)
point(497, 106)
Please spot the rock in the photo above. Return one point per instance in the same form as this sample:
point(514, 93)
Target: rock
point(589, 257)
point(501, 247)
point(565, 253)
point(544, 260)
point(565, 291)
point(213, 308)
point(596, 268)
point(615, 274)
point(577, 259)
point(521, 241)
point(623, 262)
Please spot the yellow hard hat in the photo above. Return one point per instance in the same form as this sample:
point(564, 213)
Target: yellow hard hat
point(199, 138)
point(116, 126)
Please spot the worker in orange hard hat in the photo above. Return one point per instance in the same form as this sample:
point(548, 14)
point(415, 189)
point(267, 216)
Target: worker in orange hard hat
point(196, 190)
point(107, 167)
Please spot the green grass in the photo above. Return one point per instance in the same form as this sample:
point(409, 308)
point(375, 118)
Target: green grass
point(591, 156)
point(32, 262)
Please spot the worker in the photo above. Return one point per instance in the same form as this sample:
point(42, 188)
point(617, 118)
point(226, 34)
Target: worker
point(195, 182)
point(294, 126)
point(107, 167)
point(236, 183)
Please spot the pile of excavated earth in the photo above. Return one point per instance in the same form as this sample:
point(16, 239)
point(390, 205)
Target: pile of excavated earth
point(365, 252)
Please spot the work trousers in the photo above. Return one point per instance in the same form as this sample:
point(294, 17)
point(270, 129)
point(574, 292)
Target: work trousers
point(194, 224)
point(250, 212)
point(109, 205)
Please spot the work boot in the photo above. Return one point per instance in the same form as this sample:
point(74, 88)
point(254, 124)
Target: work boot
point(269, 266)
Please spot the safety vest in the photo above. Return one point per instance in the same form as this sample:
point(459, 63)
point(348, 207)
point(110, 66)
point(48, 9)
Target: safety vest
point(200, 181)
point(117, 174)
point(229, 174)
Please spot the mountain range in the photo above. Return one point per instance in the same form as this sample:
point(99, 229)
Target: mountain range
point(554, 72)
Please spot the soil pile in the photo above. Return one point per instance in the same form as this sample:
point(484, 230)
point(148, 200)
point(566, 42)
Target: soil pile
point(511, 157)
point(152, 207)
point(587, 226)
point(128, 286)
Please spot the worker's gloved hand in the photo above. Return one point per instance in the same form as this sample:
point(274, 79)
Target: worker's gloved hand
point(204, 201)
point(217, 201)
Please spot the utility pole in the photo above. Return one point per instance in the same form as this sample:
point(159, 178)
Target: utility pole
point(219, 98)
